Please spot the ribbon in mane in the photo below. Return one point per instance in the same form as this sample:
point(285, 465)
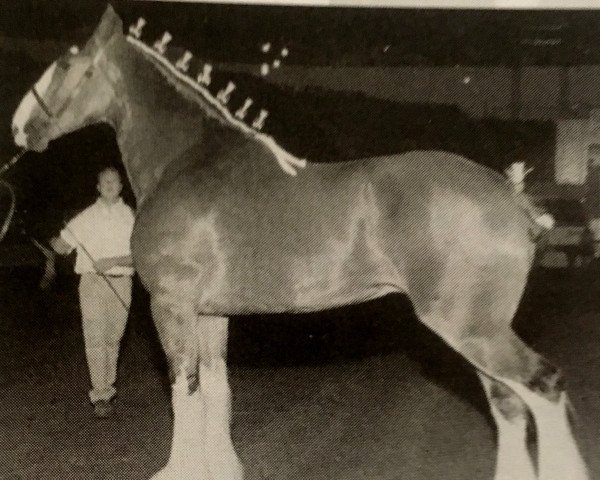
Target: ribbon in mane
point(287, 161)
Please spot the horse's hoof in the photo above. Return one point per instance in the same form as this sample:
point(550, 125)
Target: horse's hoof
point(170, 472)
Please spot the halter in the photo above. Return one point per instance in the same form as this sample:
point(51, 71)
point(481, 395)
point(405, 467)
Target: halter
point(53, 116)
point(11, 191)
point(11, 211)
point(44, 106)
point(41, 102)
point(86, 74)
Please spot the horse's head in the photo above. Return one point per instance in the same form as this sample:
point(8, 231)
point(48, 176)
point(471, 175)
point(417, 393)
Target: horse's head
point(75, 91)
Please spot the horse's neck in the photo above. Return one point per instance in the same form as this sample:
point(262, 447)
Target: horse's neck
point(150, 143)
point(157, 126)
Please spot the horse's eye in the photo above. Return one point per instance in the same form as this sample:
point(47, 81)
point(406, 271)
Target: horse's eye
point(88, 73)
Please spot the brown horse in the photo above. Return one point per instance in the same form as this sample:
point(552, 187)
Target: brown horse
point(224, 227)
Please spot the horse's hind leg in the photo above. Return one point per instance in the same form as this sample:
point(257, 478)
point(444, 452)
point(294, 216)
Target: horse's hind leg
point(558, 455)
point(522, 376)
point(195, 347)
point(510, 415)
point(471, 308)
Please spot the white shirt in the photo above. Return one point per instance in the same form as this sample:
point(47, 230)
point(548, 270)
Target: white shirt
point(101, 231)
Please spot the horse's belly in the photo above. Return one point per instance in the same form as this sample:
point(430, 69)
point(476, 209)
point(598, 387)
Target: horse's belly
point(302, 298)
point(276, 282)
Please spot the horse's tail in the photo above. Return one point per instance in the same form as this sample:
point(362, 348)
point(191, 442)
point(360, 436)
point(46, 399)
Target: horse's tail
point(540, 220)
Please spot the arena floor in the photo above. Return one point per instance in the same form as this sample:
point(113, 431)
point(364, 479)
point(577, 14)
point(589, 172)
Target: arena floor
point(356, 394)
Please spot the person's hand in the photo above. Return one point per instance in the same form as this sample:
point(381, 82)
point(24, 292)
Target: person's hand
point(60, 246)
point(104, 264)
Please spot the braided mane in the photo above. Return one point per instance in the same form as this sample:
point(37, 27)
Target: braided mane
point(216, 109)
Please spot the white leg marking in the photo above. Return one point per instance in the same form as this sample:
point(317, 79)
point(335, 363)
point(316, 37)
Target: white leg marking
point(201, 448)
point(187, 458)
point(23, 112)
point(513, 461)
point(558, 455)
point(223, 462)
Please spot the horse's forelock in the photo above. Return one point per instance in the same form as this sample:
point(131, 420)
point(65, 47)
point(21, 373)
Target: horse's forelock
point(110, 25)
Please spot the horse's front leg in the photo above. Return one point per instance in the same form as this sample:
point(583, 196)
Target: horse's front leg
point(215, 395)
point(196, 348)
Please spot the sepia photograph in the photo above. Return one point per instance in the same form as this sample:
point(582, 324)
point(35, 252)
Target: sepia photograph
point(253, 241)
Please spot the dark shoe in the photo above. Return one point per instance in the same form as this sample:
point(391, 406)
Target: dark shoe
point(103, 409)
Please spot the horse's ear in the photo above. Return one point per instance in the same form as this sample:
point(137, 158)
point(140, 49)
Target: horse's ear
point(110, 24)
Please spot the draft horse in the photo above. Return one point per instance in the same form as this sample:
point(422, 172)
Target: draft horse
point(223, 229)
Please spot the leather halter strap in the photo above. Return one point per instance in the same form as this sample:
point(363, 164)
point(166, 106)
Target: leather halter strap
point(41, 102)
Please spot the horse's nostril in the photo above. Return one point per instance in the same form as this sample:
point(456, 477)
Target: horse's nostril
point(15, 130)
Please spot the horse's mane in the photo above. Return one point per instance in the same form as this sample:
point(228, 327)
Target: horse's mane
point(320, 124)
point(213, 108)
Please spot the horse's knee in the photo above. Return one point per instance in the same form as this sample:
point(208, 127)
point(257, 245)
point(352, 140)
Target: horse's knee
point(176, 329)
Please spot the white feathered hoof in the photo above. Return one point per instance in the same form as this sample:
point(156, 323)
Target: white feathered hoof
point(222, 468)
point(226, 467)
point(180, 472)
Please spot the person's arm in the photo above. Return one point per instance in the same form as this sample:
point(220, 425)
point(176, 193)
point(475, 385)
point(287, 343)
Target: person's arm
point(105, 264)
point(60, 246)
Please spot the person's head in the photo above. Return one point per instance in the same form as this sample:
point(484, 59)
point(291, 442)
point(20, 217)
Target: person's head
point(109, 184)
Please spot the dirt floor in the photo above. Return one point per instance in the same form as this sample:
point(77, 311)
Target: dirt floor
point(357, 394)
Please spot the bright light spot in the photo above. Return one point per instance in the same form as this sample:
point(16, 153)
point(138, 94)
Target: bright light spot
point(466, 80)
point(386, 48)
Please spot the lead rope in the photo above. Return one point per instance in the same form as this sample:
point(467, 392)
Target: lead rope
point(104, 277)
point(13, 198)
point(44, 250)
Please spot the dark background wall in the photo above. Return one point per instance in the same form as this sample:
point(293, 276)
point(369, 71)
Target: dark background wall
point(404, 82)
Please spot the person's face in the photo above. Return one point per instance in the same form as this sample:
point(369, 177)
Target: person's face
point(109, 186)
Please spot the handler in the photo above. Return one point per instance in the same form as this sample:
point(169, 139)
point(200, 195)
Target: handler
point(101, 236)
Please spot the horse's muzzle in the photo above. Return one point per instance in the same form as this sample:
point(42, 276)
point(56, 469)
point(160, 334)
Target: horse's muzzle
point(28, 139)
point(19, 137)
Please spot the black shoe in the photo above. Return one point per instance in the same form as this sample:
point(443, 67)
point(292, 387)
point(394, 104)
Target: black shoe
point(103, 409)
